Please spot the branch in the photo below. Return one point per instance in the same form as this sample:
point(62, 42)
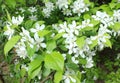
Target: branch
point(48, 77)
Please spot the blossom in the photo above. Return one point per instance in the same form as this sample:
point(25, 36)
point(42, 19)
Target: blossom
point(116, 15)
point(22, 10)
point(24, 66)
point(20, 49)
point(33, 17)
point(104, 18)
point(67, 12)
point(9, 32)
point(49, 7)
point(86, 23)
point(74, 60)
point(17, 20)
point(32, 9)
point(89, 63)
point(62, 4)
point(27, 38)
point(79, 7)
point(37, 28)
point(39, 41)
point(67, 77)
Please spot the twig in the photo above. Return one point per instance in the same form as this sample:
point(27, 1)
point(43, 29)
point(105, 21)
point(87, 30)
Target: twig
point(48, 77)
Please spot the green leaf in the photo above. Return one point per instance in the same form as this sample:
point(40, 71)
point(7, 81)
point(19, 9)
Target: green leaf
point(54, 61)
point(112, 5)
point(8, 16)
point(51, 45)
point(86, 16)
point(30, 50)
point(95, 22)
point(22, 72)
point(105, 7)
point(72, 66)
point(35, 67)
point(82, 61)
point(108, 43)
point(21, 1)
point(116, 26)
point(28, 24)
point(58, 77)
point(80, 42)
point(11, 3)
point(87, 28)
point(94, 43)
point(58, 36)
point(43, 33)
point(10, 44)
point(46, 72)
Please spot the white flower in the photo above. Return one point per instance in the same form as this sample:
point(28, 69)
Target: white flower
point(22, 10)
point(32, 9)
point(27, 38)
point(118, 1)
point(33, 17)
point(63, 27)
point(118, 56)
point(64, 56)
point(68, 78)
point(89, 63)
point(20, 49)
point(17, 20)
point(79, 7)
point(9, 32)
point(74, 60)
point(104, 18)
point(39, 41)
point(37, 28)
point(67, 12)
point(49, 7)
point(25, 67)
point(86, 23)
point(116, 15)
point(62, 4)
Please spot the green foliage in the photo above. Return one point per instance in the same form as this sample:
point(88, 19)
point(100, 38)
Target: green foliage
point(80, 42)
point(35, 67)
point(10, 44)
point(61, 59)
point(54, 61)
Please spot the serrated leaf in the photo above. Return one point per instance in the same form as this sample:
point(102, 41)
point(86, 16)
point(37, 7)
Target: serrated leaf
point(54, 61)
point(58, 77)
point(10, 44)
point(43, 33)
point(80, 42)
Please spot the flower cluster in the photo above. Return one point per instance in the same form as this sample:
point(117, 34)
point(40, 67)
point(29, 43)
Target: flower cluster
point(49, 7)
point(14, 21)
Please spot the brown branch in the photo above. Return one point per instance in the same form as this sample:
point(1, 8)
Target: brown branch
point(48, 77)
